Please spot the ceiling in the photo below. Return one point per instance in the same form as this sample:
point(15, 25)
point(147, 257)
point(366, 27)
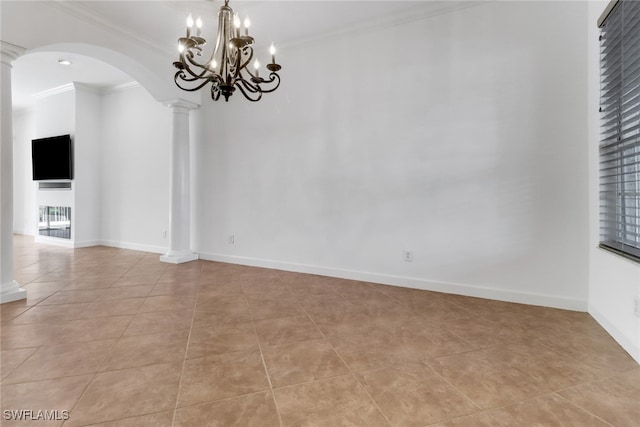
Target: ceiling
point(39, 72)
point(158, 24)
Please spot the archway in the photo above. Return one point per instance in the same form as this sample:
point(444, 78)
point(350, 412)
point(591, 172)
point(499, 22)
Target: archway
point(163, 91)
point(156, 82)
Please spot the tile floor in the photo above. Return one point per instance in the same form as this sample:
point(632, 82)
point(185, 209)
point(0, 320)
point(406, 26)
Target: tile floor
point(119, 339)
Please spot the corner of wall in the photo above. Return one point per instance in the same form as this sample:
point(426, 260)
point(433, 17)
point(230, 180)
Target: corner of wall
point(614, 282)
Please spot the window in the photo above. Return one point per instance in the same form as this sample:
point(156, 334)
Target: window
point(620, 128)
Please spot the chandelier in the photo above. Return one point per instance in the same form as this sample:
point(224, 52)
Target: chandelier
point(228, 67)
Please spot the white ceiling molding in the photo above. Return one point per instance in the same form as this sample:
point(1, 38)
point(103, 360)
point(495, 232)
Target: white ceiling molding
point(10, 52)
point(54, 91)
point(84, 13)
point(118, 88)
point(400, 18)
point(87, 88)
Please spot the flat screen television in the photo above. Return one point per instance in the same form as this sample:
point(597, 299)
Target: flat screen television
point(52, 158)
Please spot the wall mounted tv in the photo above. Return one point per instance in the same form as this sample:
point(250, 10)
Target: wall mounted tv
point(52, 158)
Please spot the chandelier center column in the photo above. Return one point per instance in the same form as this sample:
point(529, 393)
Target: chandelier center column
point(180, 214)
point(9, 288)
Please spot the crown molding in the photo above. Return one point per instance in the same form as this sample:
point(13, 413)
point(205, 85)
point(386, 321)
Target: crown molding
point(121, 87)
point(10, 52)
point(181, 105)
point(87, 88)
point(388, 21)
point(82, 12)
point(56, 90)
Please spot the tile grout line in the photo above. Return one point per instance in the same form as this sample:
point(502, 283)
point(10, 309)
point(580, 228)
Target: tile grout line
point(518, 402)
point(569, 356)
point(436, 373)
point(95, 374)
point(584, 409)
point(61, 330)
point(462, 393)
point(105, 359)
point(186, 351)
point(371, 399)
point(6, 375)
point(264, 363)
point(453, 386)
point(81, 266)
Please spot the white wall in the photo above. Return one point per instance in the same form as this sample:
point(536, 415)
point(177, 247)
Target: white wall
point(55, 114)
point(88, 139)
point(136, 138)
point(120, 194)
point(614, 281)
point(445, 136)
point(24, 189)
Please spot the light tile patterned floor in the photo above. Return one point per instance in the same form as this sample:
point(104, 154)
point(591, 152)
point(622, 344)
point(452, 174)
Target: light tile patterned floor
point(119, 339)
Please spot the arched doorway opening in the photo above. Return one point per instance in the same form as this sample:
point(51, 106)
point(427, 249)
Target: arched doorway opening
point(172, 144)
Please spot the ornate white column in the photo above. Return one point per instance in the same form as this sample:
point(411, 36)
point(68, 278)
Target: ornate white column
point(179, 220)
point(9, 288)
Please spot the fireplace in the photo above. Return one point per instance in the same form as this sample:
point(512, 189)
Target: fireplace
point(55, 221)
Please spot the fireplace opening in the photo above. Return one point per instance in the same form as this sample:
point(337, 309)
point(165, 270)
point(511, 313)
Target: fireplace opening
point(55, 221)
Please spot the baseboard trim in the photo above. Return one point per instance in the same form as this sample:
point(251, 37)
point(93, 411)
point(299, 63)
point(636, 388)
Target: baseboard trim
point(54, 241)
point(14, 293)
point(65, 243)
point(23, 231)
point(179, 259)
point(628, 345)
point(86, 244)
point(409, 282)
point(133, 246)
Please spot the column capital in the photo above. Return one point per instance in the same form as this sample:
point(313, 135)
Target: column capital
point(181, 104)
point(10, 52)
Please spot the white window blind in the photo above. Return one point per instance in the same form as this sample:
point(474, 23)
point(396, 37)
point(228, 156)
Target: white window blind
point(620, 129)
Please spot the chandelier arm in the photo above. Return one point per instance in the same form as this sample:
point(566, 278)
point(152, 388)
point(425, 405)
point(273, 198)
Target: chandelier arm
point(248, 69)
point(195, 63)
point(242, 78)
point(204, 68)
point(273, 77)
point(246, 95)
point(191, 89)
point(195, 77)
point(249, 58)
point(178, 76)
point(251, 87)
point(191, 80)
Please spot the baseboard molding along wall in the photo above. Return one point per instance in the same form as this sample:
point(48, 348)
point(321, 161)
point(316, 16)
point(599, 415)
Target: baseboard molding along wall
point(409, 282)
point(133, 246)
point(630, 347)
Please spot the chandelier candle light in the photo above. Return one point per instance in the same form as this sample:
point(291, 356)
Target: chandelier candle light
point(227, 68)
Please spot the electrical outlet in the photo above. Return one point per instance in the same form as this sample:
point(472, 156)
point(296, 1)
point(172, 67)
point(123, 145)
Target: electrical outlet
point(231, 239)
point(164, 233)
point(636, 306)
point(407, 256)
